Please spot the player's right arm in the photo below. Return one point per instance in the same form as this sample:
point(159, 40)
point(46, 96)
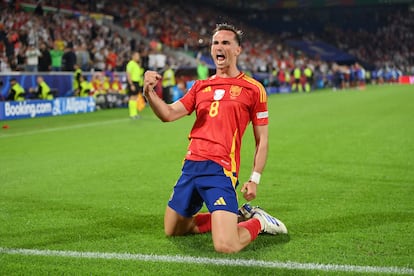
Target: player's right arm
point(166, 112)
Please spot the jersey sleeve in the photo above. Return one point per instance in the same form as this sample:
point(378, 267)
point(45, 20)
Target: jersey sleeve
point(260, 113)
point(189, 99)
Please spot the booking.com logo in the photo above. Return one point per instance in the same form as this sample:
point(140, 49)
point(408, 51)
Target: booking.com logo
point(24, 109)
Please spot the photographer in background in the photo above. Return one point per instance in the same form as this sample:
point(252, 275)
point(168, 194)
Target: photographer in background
point(42, 91)
point(16, 92)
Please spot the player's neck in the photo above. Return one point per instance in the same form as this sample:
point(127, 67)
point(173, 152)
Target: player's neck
point(227, 72)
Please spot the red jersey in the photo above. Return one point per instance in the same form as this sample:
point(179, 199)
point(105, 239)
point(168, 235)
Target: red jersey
point(224, 108)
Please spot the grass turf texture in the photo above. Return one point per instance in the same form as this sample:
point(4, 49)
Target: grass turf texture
point(339, 174)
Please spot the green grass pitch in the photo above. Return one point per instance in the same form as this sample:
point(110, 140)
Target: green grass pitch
point(340, 175)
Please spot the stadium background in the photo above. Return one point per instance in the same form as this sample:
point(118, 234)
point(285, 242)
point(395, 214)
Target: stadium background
point(376, 34)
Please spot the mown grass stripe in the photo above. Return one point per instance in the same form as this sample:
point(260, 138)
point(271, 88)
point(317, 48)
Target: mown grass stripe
point(53, 129)
point(208, 261)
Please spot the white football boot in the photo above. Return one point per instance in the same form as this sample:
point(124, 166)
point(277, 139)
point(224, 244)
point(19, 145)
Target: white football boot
point(270, 224)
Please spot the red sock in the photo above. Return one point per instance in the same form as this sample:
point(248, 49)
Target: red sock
point(253, 226)
point(203, 222)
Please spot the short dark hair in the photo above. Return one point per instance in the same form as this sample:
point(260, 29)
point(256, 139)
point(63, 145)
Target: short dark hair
point(228, 27)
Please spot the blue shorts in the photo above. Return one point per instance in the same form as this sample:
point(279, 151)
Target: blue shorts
point(204, 182)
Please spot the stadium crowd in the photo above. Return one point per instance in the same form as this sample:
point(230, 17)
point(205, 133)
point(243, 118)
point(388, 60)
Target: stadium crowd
point(56, 41)
point(390, 45)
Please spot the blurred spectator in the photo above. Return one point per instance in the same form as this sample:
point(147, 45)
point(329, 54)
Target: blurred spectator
point(281, 78)
point(4, 64)
point(69, 58)
point(99, 84)
point(59, 43)
point(202, 70)
point(111, 59)
point(157, 60)
point(360, 76)
point(338, 77)
point(168, 82)
point(20, 59)
point(32, 58)
point(99, 59)
point(56, 58)
point(100, 88)
point(45, 61)
point(9, 44)
point(116, 96)
point(116, 85)
point(145, 58)
point(83, 57)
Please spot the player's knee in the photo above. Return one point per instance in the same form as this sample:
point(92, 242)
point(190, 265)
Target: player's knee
point(176, 231)
point(225, 247)
point(173, 231)
point(169, 232)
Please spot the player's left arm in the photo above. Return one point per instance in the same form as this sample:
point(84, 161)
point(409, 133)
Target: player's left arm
point(261, 135)
point(259, 117)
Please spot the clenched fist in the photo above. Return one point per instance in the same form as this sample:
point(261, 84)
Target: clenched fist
point(151, 79)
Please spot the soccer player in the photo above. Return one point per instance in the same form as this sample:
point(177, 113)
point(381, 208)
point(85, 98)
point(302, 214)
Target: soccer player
point(224, 105)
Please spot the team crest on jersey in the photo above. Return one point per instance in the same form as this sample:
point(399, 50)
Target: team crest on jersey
point(219, 94)
point(235, 91)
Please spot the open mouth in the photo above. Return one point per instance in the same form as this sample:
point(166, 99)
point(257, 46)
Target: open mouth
point(220, 57)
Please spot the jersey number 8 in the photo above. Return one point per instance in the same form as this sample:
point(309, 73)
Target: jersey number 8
point(214, 108)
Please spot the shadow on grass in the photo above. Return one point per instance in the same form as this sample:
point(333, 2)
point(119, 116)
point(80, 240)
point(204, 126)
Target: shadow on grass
point(194, 244)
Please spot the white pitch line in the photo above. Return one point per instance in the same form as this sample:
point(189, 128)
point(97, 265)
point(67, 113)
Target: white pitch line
point(53, 129)
point(208, 261)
